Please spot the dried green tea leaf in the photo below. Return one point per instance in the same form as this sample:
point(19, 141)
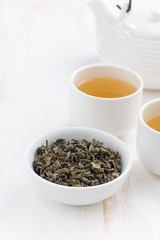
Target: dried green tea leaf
point(77, 163)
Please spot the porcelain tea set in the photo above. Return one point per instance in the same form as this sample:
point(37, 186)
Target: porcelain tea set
point(129, 46)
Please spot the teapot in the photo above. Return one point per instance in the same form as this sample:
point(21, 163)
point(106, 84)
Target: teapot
point(131, 40)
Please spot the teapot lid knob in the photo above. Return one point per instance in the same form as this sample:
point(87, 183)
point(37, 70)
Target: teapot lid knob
point(143, 24)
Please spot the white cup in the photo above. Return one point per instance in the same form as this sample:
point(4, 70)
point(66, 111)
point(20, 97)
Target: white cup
point(114, 115)
point(148, 139)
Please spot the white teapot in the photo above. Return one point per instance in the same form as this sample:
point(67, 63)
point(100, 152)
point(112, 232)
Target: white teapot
point(131, 40)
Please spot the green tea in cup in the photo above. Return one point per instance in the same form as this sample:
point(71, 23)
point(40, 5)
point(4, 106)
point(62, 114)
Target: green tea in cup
point(154, 122)
point(106, 87)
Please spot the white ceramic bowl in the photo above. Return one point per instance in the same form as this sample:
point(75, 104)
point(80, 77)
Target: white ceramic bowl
point(148, 139)
point(79, 195)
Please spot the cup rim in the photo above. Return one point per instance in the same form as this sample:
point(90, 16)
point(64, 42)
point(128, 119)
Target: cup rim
point(145, 106)
point(116, 66)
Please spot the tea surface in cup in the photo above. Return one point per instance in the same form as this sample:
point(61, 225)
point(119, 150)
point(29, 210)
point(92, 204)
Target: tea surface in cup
point(106, 87)
point(154, 122)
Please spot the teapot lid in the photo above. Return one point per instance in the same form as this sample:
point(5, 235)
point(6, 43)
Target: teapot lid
point(144, 24)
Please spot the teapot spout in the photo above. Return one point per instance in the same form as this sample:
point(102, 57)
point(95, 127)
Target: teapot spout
point(105, 14)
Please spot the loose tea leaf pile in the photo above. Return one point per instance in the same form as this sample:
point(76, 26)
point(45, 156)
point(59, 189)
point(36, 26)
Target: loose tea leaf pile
point(77, 163)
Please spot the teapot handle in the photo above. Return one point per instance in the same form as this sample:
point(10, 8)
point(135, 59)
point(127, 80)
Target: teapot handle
point(129, 6)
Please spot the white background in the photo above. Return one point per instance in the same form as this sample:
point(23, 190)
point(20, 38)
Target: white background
point(41, 43)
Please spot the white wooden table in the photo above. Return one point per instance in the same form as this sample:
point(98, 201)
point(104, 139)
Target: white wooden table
point(41, 43)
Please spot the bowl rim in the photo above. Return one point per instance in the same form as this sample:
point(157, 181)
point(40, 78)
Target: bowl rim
point(36, 176)
point(144, 107)
point(107, 65)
